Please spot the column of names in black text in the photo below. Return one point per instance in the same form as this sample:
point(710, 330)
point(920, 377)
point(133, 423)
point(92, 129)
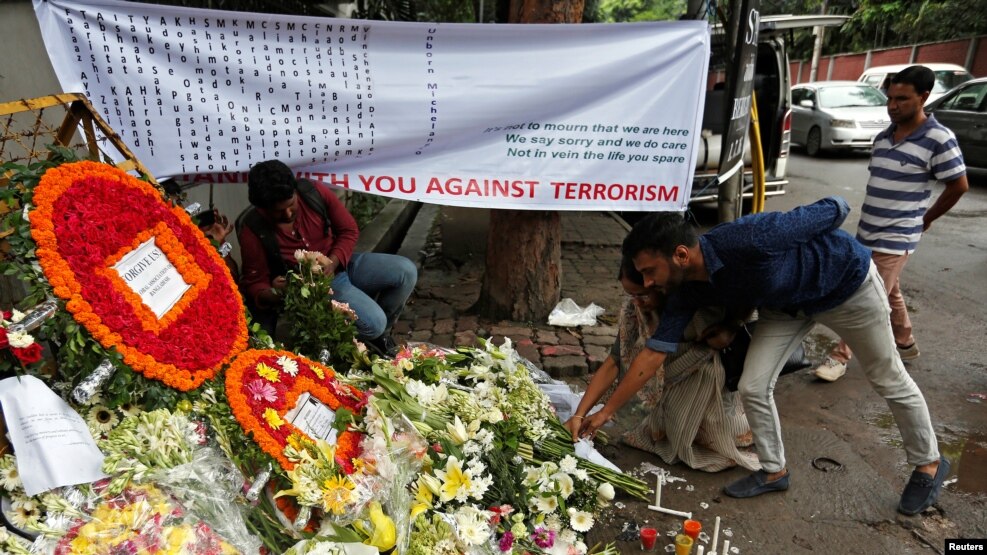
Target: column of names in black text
point(229, 92)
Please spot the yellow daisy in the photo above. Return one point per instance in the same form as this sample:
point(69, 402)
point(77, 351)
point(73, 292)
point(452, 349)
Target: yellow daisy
point(268, 373)
point(336, 493)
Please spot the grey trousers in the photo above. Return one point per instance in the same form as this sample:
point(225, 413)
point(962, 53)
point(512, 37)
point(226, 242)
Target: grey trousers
point(863, 322)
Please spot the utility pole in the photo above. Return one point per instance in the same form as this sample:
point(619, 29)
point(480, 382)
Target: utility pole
point(817, 47)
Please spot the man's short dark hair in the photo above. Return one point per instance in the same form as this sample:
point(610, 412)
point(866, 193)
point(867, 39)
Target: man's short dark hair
point(920, 77)
point(662, 233)
point(629, 271)
point(269, 183)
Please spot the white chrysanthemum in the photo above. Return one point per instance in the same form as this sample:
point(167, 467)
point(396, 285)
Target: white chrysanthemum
point(605, 492)
point(20, 339)
point(10, 480)
point(101, 419)
point(471, 525)
point(545, 505)
point(480, 486)
point(581, 521)
point(581, 474)
point(16, 316)
point(568, 464)
point(24, 516)
point(581, 547)
point(289, 365)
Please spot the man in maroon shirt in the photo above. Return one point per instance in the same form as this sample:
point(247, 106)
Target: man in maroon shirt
point(290, 215)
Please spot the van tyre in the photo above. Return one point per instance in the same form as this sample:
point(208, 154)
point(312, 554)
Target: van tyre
point(813, 143)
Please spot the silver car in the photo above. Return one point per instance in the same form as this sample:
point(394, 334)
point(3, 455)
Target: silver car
point(834, 115)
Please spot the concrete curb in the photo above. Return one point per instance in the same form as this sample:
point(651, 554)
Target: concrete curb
point(386, 232)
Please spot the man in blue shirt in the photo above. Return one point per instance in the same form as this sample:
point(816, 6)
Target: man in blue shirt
point(797, 268)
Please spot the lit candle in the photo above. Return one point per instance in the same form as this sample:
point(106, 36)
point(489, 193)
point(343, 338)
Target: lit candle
point(658, 491)
point(716, 535)
point(726, 547)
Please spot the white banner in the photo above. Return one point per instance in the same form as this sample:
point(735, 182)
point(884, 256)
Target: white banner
point(560, 117)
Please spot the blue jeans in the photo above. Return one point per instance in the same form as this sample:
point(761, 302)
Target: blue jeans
point(387, 278)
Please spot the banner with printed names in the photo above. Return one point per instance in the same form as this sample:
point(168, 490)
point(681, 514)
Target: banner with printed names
point(548, 117)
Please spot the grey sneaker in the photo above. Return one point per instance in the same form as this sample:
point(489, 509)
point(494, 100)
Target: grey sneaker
point(830, 370)
point(909, 353)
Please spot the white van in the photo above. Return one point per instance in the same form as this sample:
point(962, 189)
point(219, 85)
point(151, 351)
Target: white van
point(947, 77)
point(772, 85)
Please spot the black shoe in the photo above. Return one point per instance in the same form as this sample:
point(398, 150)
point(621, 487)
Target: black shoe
point(756, 484)
point(923, 490)
point(384, 346)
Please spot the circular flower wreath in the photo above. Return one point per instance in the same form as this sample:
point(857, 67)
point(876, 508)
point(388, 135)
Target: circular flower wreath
point(263, 386)
point(87, 216)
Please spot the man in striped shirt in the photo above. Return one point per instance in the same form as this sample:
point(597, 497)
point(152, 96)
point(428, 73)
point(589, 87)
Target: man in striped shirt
point(908, 158)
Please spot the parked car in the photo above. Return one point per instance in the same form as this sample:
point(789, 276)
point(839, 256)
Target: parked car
point(837, 115)
point(947, 77)
point(964, 110)
point(772, 86)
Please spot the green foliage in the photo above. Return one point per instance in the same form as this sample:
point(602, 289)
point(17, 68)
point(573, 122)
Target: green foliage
point(389, 10)
point(876, 24)
point(314, 323)
point(364, 207)
point(612, 11)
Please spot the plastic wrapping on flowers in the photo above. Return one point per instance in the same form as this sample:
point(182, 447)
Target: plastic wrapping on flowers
point(167, 492)
point(209, 487)
point(141, 519)
point(396, 450)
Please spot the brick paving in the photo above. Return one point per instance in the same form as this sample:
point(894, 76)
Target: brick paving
point(439, 309)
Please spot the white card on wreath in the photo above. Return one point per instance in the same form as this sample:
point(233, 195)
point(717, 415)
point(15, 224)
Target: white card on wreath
point(313, 418)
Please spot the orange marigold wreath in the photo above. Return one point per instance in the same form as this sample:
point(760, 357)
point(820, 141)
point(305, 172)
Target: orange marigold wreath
point(87, 216)
point(264, 385)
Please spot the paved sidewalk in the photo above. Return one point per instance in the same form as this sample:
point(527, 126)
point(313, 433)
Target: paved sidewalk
point(438, 311)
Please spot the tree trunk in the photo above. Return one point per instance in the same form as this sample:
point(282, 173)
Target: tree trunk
point(523, 277)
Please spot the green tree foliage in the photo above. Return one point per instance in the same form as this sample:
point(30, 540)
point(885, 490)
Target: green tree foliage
point(612, 11)
point(878, 24)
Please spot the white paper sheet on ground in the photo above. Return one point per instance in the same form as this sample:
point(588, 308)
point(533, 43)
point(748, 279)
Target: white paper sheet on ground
point(46, 432)
point(585, 450)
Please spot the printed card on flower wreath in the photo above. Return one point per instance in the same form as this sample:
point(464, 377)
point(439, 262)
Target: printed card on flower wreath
point(137, 273)
point(274, 394)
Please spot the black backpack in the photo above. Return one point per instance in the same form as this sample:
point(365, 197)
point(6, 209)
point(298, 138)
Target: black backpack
point(266, 231)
